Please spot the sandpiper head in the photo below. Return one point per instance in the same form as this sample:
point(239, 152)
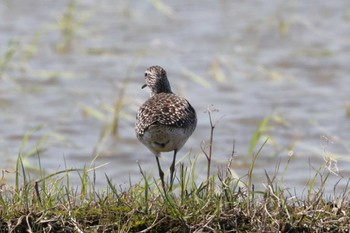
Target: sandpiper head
point(156, 79)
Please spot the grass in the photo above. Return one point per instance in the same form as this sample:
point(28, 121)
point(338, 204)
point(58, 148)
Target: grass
point(221, 203)
point(68, 26)
point(112, 127)
point(6, 58)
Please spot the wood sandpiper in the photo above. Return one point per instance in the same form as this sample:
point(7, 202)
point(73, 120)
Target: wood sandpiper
point(165, 121)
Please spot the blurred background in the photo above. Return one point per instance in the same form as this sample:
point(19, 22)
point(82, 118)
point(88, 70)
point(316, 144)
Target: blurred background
point(71, 74)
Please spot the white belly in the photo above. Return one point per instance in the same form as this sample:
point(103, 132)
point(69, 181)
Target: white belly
point(163, 139)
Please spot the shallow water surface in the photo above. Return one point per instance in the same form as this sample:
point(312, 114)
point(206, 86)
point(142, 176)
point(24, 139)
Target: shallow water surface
point(64, 64)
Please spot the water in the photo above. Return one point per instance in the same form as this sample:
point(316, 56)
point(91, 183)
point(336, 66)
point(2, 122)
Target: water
point(284, 59)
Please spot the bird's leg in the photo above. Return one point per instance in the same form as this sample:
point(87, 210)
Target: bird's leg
point(161, 174)
point(172, 171)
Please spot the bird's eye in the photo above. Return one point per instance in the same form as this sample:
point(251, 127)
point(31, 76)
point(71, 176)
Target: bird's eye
point(145, 74)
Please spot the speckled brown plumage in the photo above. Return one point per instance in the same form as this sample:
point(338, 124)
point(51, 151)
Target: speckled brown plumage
point(165, 109)
point(165, 121)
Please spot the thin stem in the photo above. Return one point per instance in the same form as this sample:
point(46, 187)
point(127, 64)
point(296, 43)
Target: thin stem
point(210, 145)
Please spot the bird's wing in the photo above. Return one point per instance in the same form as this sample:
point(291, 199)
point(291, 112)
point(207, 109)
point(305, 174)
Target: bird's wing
point(166, 109)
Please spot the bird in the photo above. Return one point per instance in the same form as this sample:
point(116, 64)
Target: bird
point(165, 121)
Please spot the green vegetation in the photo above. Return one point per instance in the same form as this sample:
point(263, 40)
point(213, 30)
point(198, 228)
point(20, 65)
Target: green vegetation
point(221, 203)
point(68, 26)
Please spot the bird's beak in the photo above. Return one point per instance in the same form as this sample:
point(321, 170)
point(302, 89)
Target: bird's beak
point(143, 86)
